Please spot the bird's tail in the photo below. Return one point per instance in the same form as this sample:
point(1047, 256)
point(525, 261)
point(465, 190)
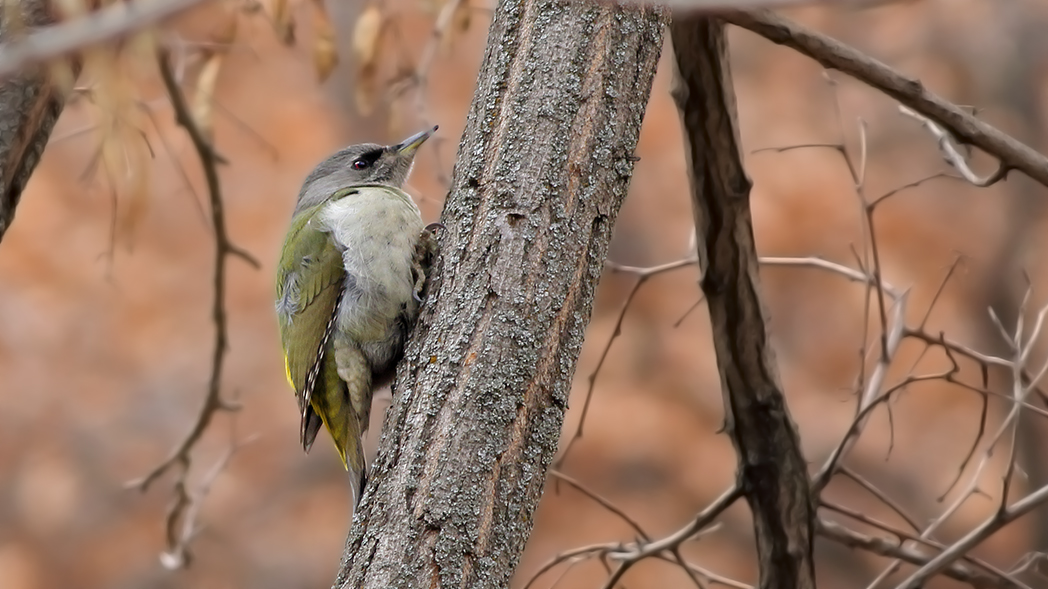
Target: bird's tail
point(349, 409)
point(358, 475)
point(347, 435)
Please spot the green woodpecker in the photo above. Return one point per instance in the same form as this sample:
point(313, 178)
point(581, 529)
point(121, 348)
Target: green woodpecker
point(348, 289)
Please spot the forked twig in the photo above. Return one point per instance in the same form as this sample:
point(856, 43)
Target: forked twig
point(213, 401)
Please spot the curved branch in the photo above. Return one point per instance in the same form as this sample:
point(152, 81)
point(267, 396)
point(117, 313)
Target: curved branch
point(962, 126)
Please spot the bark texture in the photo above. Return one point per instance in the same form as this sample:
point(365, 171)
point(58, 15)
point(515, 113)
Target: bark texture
point(30, 103)
point(772, 473)
point(543, 166)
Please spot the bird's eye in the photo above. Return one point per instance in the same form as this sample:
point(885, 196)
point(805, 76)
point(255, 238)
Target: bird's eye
point(360, 164)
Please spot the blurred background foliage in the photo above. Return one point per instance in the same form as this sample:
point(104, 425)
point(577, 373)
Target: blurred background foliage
point(105, 327)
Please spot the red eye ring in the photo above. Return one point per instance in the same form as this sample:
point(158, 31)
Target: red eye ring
point(360, 165)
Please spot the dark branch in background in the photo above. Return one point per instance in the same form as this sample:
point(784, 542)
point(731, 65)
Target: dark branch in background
point(30, 103)
point(772, 473)
point(961, 125)
point(107, 24)
point(973, 571)
point(213, 403)
point(916, 547)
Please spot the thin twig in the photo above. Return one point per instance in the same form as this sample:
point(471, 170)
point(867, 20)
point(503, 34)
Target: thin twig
point(599, 499)
point(1000, 519)
point(888, 548)
point(418, 78)
point(1001, 516)
point(643, 275)
point(951, 154)
point(182, 524)
point(833, 54)
point(213, 402)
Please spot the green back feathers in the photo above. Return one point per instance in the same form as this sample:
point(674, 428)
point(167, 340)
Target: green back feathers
point(309, 281)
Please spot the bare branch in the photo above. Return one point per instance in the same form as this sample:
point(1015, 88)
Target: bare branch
point(950, 152)
point(1010, 424)
point(831, 53)
point(904, 536)
point(629, 555)
point(182, 525)
point(107, 24)
point(956, 551)
point(643, 275)
point(213, 402)
point(701, 522)
point(771, 470)
point(710, 576)
point(600, 500)
point(888, 548)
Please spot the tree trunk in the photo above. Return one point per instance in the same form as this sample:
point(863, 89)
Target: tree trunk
point(30, 103)
point(772, 473)
point(543, 167)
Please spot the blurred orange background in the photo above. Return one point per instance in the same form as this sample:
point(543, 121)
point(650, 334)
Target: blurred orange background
point(104, 357)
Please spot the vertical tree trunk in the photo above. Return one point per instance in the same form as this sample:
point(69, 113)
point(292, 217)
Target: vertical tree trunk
point(543, 167)
point(772, 473)
point(29, 106)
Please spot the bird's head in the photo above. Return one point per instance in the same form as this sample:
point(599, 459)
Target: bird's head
point(366, 163)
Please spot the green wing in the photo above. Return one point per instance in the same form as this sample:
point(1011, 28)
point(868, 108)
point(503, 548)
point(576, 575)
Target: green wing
point(310, 280)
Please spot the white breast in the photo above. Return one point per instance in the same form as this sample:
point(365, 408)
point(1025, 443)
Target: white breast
point(377, 229)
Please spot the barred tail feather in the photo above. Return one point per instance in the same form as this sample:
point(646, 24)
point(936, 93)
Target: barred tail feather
point(310, 426)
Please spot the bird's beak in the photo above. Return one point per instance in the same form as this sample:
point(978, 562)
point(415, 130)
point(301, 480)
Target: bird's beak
point(409, 145)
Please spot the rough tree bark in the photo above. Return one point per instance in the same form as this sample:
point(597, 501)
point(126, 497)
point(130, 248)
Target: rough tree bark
point(543, 167)
point(30, 103)
point(772, 473)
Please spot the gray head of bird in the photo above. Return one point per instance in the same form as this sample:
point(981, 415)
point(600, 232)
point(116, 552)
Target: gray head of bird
point(365, 163)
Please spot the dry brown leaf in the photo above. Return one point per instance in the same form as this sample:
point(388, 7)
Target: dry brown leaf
point(204, 97)
point(367, 39)
point(463, 16)
point(366, 89)
point(137, 159)
point(283, 21)
point(396, 122)
point(62, 77)
point(325, 53)
point(460, 21)
point(68, 9)
point(224, 34)
point(367, 34)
